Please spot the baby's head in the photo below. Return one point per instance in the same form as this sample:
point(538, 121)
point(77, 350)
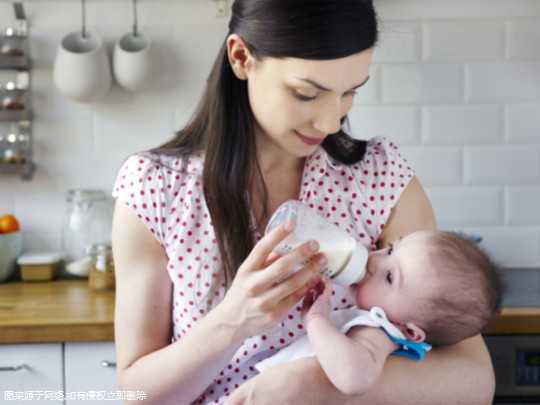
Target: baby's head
point(434, 286)
point(468, 289)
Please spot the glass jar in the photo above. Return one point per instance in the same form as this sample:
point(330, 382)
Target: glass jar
point(101, 277)
point(12, 43)
point(87, 222)
point(3, 144)
point(13, 96)
point(15, 143)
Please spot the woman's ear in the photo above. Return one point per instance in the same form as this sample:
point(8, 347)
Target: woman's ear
point(414, 333)
point(240, 57)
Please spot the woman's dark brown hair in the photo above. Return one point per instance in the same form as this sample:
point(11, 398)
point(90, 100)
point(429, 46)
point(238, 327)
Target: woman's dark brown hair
point(222, 125)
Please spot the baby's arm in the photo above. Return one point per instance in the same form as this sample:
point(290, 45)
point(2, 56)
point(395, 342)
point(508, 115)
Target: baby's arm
point(352, 362)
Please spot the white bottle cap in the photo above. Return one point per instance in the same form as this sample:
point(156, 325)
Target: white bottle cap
point(355, 269)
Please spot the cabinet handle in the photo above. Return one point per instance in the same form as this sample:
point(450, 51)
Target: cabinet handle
point(13, 368)
point(106, 363)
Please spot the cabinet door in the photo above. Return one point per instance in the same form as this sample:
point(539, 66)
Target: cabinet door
point(90, 372)
point(31, 373)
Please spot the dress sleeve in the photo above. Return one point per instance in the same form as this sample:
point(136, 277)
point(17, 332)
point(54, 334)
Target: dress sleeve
point(137, 185)
point(383, 174)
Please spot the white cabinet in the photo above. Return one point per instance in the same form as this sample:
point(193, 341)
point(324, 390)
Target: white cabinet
point(31, 373)
point(90, 373)
point(58, 372)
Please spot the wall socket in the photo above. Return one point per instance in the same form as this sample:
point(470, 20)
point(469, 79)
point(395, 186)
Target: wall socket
point(220, 8)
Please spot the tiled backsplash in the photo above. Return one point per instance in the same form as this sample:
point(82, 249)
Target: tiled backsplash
point(455, 84)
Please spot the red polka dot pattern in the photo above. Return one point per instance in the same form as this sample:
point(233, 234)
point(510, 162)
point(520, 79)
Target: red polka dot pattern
point(166, 194)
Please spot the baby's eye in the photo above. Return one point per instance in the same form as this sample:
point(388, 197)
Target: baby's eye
point(389, 277)
point(390, 248)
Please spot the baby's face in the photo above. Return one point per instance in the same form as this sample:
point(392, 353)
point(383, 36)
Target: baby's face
point(398, 278)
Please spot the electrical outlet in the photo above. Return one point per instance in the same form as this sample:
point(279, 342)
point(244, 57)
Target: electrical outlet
point(220, 8)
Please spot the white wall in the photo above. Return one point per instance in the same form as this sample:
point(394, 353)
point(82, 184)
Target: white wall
point(455, 83)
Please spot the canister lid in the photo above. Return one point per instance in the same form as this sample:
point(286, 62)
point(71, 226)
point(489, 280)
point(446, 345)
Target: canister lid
point(355, 269)
point(39, 258)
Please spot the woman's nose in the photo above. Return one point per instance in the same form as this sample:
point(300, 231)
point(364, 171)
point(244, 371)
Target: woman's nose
point(328, 121)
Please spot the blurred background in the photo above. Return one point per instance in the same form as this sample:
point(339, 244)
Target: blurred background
point(455, 83)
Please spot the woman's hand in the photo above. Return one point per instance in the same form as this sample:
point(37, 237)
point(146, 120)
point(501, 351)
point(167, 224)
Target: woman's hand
point(317, 301)
point(259, 297)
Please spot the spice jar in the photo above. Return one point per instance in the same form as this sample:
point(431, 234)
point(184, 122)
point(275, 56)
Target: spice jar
point(12, 43)
point(101, 277)
point(13, 96)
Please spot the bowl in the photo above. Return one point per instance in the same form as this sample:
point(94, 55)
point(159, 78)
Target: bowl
point(10, 249)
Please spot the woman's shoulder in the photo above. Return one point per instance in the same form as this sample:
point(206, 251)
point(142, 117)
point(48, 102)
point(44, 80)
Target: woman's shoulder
point(147, 171)
point(381, 150)
point(151, 161)
point(381, 154)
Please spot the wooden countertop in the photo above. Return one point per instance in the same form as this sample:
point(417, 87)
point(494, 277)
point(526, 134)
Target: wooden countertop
point(69, 311)
point(55, 311)
point(515, 321)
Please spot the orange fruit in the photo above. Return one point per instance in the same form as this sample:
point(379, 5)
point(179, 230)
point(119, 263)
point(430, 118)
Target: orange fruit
point(8, 224)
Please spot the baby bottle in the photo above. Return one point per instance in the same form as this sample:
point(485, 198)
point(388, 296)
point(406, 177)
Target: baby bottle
point(347, 258)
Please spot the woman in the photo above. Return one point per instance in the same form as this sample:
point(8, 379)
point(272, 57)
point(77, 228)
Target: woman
point(198, 302)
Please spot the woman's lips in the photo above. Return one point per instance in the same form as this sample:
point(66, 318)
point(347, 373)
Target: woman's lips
point(308, 140)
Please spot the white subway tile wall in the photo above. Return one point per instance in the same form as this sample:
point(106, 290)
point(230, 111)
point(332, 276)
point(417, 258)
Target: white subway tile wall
point(455, 84)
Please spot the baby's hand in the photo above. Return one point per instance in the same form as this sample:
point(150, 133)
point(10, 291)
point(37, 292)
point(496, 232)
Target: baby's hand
point(317, 301)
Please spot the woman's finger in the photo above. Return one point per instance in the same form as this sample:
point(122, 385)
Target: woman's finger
point(264, 248)
point(295, 286)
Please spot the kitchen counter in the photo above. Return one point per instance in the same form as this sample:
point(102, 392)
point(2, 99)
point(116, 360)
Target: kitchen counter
point(515, 321)
point(69, 311)
point(55, 311)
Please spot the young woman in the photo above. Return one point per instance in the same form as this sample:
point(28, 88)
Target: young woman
point(198, 297)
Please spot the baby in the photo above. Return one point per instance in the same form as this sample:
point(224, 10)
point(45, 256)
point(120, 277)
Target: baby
point(428, 288)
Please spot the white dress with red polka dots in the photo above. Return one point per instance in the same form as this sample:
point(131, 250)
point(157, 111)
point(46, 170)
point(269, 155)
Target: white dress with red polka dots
point(166, 194)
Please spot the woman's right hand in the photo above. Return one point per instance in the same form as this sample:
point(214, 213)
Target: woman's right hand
point(257, 300)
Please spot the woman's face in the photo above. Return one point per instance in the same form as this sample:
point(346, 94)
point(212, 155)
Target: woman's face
point(297, 103)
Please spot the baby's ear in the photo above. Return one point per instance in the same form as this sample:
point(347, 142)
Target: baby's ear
point(414, 333)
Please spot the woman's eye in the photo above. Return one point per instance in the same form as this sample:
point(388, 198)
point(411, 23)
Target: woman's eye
point(390, 248)
point(389, 277)
point(303, 97)
point(351, 93)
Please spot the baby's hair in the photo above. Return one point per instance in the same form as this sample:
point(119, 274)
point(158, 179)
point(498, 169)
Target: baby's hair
point(470, 293)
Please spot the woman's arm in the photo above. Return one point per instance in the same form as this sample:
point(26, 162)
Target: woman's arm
point(445, 376)
point(460, 373)
point(180, 372)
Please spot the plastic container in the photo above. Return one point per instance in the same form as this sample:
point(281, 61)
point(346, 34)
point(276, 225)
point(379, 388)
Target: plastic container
point(347, 257)
point(39, 266)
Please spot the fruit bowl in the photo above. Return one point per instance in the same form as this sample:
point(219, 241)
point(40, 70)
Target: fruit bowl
point(10, 249)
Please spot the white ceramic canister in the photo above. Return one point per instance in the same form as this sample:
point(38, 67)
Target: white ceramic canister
point(346, 256)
